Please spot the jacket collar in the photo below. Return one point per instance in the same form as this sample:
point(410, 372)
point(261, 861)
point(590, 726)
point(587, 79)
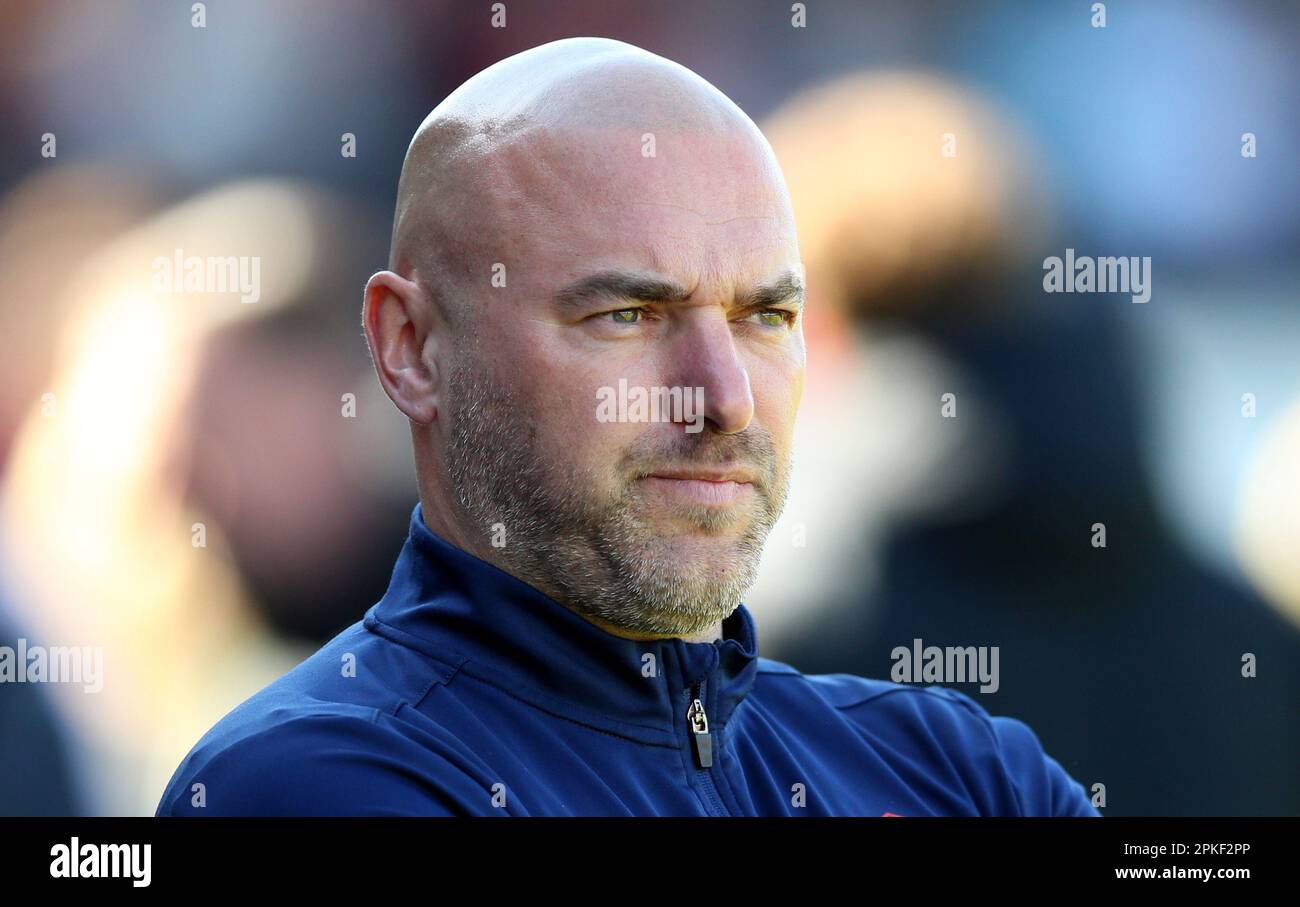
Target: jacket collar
point(477, 618)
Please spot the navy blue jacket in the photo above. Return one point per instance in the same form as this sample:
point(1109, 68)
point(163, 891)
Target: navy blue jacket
point(465, 691)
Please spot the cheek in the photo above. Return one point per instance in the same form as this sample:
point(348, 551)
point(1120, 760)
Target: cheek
point(563, 402)
point(777, 386)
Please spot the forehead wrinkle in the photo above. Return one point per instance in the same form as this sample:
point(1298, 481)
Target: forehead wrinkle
point(787, 287)
point(702, 215)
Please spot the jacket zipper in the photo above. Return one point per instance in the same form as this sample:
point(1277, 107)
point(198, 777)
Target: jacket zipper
point(697, 721)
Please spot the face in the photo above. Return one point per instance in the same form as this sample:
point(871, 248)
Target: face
point(633, 278)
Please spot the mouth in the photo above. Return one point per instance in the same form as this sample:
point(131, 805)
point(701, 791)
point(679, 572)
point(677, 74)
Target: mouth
point(709, 487)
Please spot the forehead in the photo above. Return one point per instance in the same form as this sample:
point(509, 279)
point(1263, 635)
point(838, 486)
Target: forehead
point(696, 205)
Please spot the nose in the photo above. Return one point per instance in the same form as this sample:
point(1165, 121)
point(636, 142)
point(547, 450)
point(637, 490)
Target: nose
point(710, 360)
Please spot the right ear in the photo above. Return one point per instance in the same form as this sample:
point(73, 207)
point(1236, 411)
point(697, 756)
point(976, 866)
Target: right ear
point(396, 318)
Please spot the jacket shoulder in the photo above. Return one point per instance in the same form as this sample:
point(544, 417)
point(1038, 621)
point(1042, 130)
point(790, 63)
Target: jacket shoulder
point(1000, 759)
point(326, 759)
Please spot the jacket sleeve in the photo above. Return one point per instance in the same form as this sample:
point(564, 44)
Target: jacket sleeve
point(1041, 786)
point(325, 765)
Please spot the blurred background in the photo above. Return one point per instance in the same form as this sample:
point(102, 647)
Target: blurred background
point(209, 490)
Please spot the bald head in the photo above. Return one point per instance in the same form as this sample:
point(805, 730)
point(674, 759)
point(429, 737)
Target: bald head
point(581, 217)
point(545, 132)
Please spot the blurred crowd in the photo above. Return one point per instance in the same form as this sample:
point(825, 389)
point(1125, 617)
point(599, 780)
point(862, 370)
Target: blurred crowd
point(209, 489)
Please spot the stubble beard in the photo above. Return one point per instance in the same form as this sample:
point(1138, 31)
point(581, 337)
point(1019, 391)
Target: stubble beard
point(590, 551)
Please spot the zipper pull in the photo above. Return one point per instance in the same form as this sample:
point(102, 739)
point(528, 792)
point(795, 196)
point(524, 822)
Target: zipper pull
point(699, 722)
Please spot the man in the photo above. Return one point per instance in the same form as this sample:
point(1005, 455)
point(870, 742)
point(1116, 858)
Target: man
point(592, 320)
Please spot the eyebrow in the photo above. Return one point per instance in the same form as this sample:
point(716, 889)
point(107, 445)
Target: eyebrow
point(786, 288)
point(618, 284)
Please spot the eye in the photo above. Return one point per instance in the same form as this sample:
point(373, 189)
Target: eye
point(775, 318)
point(625, 316)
